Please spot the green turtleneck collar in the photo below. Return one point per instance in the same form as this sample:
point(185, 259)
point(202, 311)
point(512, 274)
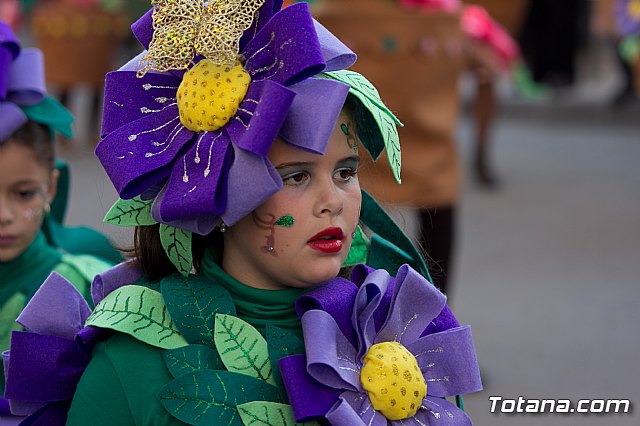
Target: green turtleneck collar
point(258, 307)
point(26, 272)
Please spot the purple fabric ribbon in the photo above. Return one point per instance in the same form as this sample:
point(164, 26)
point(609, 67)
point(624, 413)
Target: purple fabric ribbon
point(22, 81)
point(45, 364)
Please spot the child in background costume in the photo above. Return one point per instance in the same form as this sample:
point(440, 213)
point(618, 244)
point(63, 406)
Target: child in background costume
point(240, 175)
point(28, 184)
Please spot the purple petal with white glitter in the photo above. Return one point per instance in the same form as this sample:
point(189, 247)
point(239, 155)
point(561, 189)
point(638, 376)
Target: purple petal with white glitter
point(286, 50)
point(354, 409)
point(311, 132)
point(331, 359)
point(252, 180)
point(414, 304)
point(437, 411)
point(448, 362)
point(141, 154)
point(128, 98)
point(198, 182)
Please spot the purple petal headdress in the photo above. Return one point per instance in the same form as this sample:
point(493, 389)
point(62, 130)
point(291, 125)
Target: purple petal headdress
point(198, 177)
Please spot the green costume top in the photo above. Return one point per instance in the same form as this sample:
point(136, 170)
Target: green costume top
point(132, 372)
point(22, 277)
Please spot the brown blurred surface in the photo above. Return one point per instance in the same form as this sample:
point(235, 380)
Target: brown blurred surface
point(414, 60)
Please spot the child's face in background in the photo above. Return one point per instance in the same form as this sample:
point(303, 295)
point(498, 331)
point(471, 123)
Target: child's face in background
point(26, 186)
point(308, 223)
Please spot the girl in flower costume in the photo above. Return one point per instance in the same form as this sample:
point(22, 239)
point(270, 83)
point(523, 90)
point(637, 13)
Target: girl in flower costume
point(233, 142)
point(33, 242)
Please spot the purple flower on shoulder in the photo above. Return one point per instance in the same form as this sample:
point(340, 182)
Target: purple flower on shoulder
point(392, 365)
point(627, 17)
point(196, 141)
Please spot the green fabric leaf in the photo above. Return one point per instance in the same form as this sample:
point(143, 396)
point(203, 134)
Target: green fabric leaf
point(8, 314)
point(139, 312)
point(281, 343)
point(359, 251)
point(52, 114)
point(373, 216)
point(192, 358)
point(133, 212)
point(242, 348)
point(210, 397)
point(268, 414)
point(630, 48)
point(193, 302)
point(177, 245)
point(384, 119)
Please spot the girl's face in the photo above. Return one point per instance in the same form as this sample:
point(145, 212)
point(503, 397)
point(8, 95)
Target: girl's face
point(300, 236)
point(26, 186)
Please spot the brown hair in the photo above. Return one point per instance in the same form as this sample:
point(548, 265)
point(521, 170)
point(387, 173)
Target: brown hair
point(37, 138)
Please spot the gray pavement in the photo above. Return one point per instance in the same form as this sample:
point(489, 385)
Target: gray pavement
point(547, 268)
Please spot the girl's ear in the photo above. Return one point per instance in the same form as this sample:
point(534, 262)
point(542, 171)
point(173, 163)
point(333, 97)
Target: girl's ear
point(53, 185)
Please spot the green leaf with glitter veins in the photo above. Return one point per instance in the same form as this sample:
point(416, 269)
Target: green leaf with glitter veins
point(285, 221)
point(193, 302)
point(192, 358)
point(139, 312)
point(386, 122)
point(210, 397)
point(133, 212)
point(268, 414)
point(242, 348)
point(177, 245)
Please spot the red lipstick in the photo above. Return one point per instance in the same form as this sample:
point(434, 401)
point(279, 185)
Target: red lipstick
point(327, 241)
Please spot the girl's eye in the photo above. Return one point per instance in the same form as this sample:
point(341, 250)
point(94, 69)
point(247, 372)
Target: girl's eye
point(27, 195)
point(346, 174)
point(295, 179)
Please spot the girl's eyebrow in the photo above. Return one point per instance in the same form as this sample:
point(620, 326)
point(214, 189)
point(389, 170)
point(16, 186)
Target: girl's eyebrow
point(351, 159)
point(295, 164)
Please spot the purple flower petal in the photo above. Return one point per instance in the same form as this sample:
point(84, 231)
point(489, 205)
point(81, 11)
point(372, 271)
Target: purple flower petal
point(336, 54)
point(198, 182)
point(26, 78)
point(354, 409)
point(367, 302)
point(335, 297)
point(312, 399)
point(11, 119)
point(57, 308)
point(114, 278)
point(437, 412)
point(143, 28)
point(140, 154)
point(262, 16)
point(331, 359)
point(286, 50)
point(128, 98)
point(414, 305)
point(311, 132)
point(264, 109)
point(252, 180)
point(448, 362)
point(202, 225)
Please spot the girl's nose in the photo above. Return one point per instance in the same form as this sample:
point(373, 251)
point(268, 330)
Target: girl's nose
point(329, 200)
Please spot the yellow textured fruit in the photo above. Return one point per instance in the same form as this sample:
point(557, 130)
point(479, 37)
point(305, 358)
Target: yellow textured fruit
point(393, 380)
point(210, 94)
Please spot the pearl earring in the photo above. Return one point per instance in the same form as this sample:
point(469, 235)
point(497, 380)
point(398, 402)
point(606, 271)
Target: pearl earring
point(223, 227)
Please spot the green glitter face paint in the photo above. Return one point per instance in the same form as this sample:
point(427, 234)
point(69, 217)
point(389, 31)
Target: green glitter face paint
point(351, 140)
point(285, 221)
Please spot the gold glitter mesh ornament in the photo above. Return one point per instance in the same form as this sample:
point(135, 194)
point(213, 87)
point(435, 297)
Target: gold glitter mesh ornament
point(185, 28)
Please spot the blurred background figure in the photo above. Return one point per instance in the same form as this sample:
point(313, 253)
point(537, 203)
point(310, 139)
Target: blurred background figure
point(491, 30)
point(81, 41)
point(414, 53)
